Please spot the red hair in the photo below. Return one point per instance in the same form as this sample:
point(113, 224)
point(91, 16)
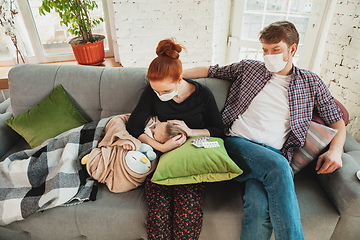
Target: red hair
point(167, 63)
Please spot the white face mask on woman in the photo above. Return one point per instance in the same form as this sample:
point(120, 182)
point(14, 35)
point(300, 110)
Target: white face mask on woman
point(167, 96)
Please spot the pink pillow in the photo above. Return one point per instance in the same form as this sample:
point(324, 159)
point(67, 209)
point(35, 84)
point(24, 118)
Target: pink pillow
point(317, 138)
point(345, 116)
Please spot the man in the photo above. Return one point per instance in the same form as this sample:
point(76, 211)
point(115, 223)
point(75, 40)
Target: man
point(266, 115)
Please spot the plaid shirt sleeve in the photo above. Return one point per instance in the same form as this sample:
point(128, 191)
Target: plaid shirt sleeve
point(321, 99)
point(248, 77)
point(229, 72)
point(325, 105)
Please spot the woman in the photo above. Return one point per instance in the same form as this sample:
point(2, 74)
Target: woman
point(174, 212)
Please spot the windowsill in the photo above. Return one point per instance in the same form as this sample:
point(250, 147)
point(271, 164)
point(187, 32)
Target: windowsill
point(109, 62)
point(3, 77)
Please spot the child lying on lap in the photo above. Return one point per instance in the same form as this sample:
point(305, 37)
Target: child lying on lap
point(161, 132)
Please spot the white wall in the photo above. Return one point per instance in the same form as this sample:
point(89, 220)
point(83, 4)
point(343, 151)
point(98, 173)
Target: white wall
point(221, 30)
point(141, 24)
point(340, 63)
point(202, 27)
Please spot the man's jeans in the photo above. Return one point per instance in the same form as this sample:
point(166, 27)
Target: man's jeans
point(270, 199)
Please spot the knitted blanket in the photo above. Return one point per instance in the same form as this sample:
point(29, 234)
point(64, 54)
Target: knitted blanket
point(49, 175)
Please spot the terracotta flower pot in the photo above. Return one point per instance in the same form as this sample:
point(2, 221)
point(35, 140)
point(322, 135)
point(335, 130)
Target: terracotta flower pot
point(91, 53)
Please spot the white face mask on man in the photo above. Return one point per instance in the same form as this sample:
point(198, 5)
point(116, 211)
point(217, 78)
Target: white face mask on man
point(275, 62)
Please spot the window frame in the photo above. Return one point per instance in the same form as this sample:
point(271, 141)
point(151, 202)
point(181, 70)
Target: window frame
point(306, 53)
point(39, 54)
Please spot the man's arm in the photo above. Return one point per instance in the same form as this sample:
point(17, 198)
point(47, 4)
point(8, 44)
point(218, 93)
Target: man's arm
point(197, 72)
point(331, 160)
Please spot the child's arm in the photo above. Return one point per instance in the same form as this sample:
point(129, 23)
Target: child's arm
point(169, 145)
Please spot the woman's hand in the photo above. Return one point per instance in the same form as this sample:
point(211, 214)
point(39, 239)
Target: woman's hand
point(190, 132)
point(183, 126)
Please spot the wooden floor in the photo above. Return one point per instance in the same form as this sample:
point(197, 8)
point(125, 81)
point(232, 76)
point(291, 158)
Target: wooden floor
point(109, 62)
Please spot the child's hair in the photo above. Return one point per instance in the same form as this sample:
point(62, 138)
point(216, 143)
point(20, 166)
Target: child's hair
point(280, 31)
point(167, 63)
point(172, 130)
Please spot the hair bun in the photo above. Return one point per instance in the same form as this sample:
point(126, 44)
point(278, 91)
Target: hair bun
point(169, 48)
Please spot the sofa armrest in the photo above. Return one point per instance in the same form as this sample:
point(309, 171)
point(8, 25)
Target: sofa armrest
point(8, 137)
point(342, 186)
point(4, 106)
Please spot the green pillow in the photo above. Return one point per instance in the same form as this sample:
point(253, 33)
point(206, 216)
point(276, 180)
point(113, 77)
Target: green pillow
point(189, 164)
point(52, 116)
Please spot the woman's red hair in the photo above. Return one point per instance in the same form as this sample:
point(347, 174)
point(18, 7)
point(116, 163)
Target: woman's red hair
point(167, 63)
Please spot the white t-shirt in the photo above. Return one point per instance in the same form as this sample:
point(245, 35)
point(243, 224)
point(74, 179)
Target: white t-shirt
point(267, 119)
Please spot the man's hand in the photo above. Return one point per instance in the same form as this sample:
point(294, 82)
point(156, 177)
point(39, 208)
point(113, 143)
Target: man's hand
point(331, 160)
point(328, 162)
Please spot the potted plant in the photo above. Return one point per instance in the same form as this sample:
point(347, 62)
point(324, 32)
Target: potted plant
point(88, 48)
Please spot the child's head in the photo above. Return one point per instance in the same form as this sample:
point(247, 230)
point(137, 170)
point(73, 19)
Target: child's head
point(163, 131)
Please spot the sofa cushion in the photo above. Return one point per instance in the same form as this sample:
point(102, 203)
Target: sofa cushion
point(52, 116)
point(319, 218)
point(317, 138)
point(189, 164)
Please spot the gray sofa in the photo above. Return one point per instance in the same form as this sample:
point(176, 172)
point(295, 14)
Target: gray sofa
point(329, 204)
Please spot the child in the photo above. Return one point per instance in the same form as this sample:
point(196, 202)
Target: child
point(161, 132)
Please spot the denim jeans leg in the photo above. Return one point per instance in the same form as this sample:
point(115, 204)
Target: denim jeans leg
point(272, 169)
point(256, 207)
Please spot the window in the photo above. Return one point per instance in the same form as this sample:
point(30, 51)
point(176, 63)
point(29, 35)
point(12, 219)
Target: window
point(4, 52)
point(249, 17)
point(44, 39)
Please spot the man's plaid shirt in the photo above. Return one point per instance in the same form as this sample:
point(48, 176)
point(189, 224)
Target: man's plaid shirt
point(306, 91)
